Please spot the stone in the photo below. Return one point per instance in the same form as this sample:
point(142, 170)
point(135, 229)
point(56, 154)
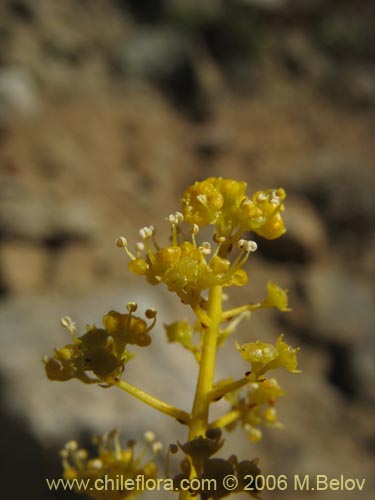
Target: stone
point(340, 305)
point(23, 267)
point(306, 237)
point(18, 94)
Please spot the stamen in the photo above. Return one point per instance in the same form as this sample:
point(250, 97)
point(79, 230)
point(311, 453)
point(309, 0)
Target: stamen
point(71, 446)
point(132, 307)
point(202, 198)
point(262, 197)
point(151, 313)
point(157, 446)
point(146, 232)
point(66, 322)
point(140, 247)
point(179, 217)
point(122, 242)
point(96, 463)
point(195, 229)
point(205, 248)
point(149, 436)
point(171, 219)
point(247, 245)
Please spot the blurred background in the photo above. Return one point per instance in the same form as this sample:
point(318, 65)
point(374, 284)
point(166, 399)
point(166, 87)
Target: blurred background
point(109, 109)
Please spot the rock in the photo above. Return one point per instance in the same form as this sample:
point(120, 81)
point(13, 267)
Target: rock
point(305, 239)
point(27, 214)
point(163, 58)
point(23, 267)
point(152, 55)
point(303, 57)
point(18, 94)
point(341, 306)
point(72, 269)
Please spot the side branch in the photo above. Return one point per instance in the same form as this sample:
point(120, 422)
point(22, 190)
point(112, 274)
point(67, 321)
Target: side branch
point(219, 392)
point(180, 415)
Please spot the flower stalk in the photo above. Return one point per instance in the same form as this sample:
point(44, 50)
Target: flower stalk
point(197, 272)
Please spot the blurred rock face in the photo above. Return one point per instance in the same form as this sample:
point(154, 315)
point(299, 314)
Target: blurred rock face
point(108, 110)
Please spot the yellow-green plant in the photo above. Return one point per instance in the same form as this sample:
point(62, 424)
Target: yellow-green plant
point(196, 271)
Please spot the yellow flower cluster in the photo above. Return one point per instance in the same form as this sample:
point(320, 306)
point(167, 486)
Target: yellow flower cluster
point(113, 466)
point(223, 202)
point(101, 351)
point(264, 357)
point(187, 267)
point(257, 409)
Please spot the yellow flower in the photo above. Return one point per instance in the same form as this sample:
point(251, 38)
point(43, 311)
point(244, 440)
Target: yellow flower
point(257, 408)
point(201, 202)
point(112, 465)
point(276, 297)
point(264, 357)
point(103, 352)
point(223, 202)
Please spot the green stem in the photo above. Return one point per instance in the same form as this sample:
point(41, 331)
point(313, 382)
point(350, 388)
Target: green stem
point(219, 392)
point(199, 415)
point(181, 415)
point(226, 419)
point(210, 321)
point(231, 313)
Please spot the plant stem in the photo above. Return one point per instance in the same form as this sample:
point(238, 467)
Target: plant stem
point(181, 415)
point(199, 420)
point(226, 419)
point(219, 392)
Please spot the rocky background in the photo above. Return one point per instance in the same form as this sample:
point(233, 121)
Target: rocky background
point(108, 110)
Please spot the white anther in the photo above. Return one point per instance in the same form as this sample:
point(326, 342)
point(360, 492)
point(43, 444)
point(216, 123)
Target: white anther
point(82, 454)
point(157, 446)
point(71, 446)
point(262, 197)
point(205, 248)
point(221, 239)
point(171, 219)
point(202, 198)
point(66, 322)
point(247, 245)
point(96, 464)
point(139, 246)
point(253, 246)
point(146, 232)
point(122, 242)
point(149, 436)
point(179, 217)
point(195, 229)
